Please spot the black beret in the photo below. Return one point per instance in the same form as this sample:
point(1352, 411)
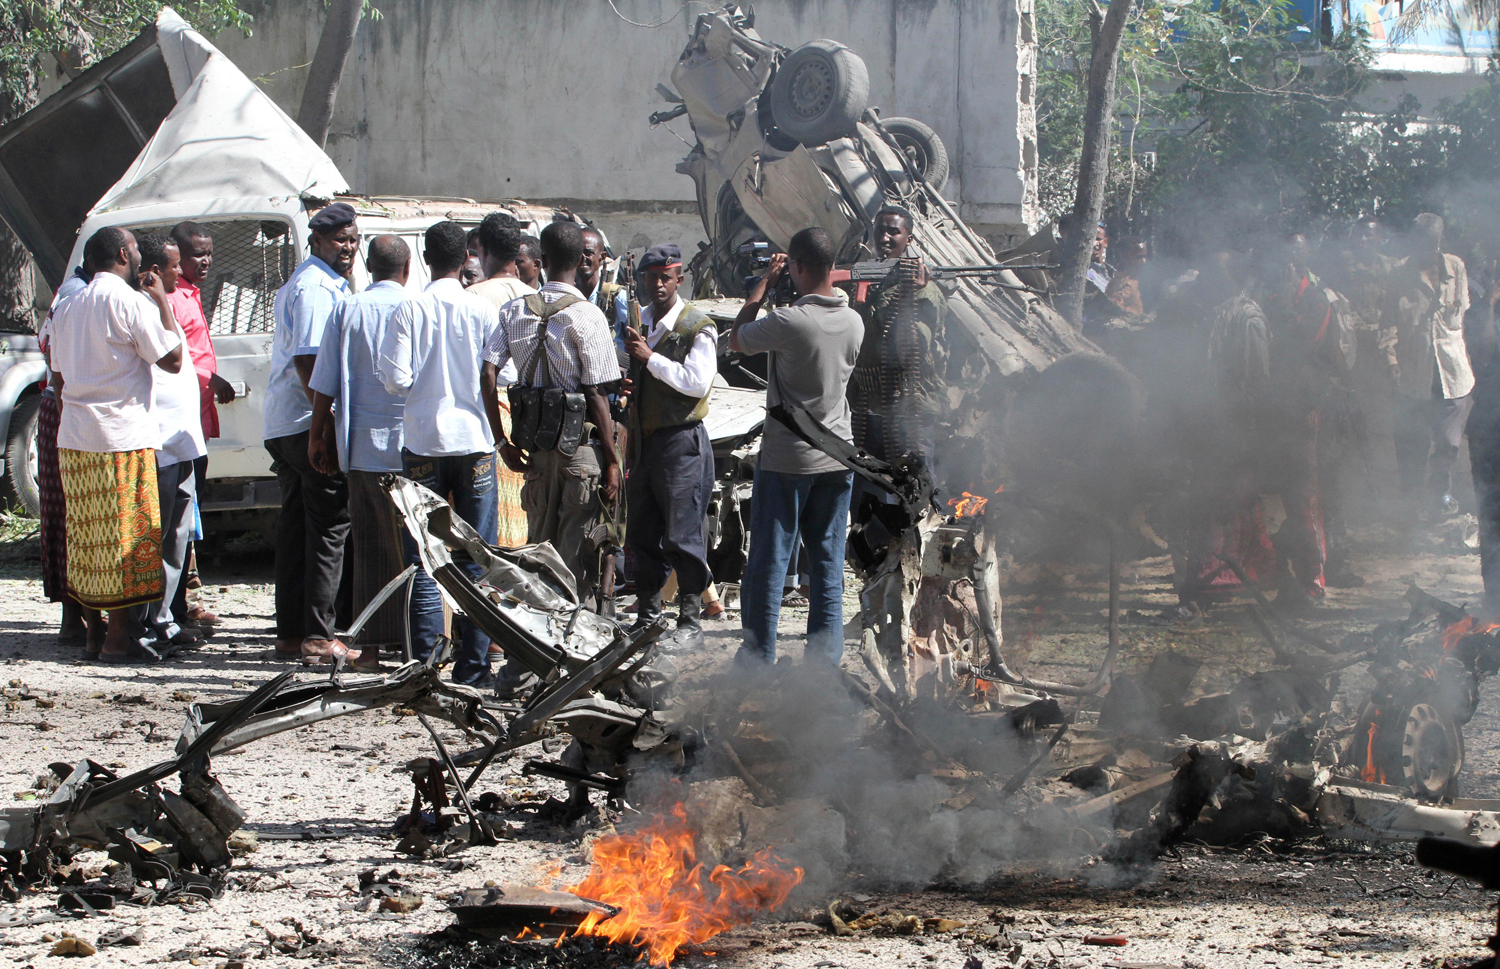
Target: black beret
point(332, 217)
point(662, 257)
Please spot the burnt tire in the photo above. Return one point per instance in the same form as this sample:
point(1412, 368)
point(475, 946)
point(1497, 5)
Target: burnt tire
point(19, 488)
point(922, 146)
point(819, 93)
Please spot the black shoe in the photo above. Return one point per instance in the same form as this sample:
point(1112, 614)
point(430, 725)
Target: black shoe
point(648, 609)
point(689, 632)
point(515, 688)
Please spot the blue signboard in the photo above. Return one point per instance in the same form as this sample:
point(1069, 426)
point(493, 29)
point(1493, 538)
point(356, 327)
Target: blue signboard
point(1447, 27)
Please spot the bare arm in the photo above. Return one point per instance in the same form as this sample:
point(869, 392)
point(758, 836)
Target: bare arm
point(321, 446)
point(489, 389)
point(757, 296)
point(599, 415)
point(304, 364)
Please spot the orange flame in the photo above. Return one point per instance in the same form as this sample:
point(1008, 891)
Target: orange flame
point(653, 876)
point(968, 505)
point(1466, 626)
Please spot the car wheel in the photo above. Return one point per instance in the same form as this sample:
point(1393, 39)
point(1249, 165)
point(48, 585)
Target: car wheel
point(20, 488)
point(926, 151)
point(819, 92)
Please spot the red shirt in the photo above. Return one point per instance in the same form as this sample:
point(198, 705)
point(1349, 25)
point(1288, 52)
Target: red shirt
point(187, 306)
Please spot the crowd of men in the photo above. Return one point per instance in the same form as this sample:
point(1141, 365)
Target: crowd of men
point(1267, 372)
point(434, 386)
point(515, 387)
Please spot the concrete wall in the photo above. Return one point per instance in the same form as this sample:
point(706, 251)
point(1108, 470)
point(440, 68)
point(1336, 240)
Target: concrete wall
point(548, 99)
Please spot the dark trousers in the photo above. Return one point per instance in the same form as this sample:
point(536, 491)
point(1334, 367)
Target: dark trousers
point(667, 503)
point(1428, 433)
point(468, 482)
point(310, 538)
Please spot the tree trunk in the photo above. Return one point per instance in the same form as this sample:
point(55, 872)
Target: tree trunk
point(17, 274)
point(1104, 61)
point(316, 112)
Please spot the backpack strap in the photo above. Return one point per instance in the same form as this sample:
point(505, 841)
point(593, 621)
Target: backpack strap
point(543, 311)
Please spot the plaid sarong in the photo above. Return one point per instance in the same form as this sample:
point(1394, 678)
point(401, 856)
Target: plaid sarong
point(54, 504)
point(114, 527)
point(510, 517)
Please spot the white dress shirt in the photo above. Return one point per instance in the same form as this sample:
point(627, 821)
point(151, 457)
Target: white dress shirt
point(105, 341)
point(177, 407)
point(302, 309)
point(695, 374)
point(430, 355)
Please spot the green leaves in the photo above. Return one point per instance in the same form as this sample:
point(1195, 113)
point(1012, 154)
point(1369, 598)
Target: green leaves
point(36, 36)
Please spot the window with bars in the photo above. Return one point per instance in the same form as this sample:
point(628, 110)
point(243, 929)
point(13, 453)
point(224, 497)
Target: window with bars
point(252, 259)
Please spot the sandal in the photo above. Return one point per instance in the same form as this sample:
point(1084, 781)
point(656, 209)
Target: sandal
point(138, 656)
point(794, 598)
point(201, 615)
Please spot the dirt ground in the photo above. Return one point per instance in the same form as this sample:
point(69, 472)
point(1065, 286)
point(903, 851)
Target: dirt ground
point(322, 801)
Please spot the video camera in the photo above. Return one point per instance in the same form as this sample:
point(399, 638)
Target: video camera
point(757, 256)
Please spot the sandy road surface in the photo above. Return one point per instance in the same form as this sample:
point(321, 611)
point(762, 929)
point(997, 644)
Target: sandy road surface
point(342, 784)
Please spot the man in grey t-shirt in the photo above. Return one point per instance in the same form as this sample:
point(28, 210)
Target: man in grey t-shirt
point(798, 489)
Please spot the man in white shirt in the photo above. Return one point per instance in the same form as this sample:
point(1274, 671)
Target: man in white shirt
point(314, 518)
point(1422, 333)
point(430, 356)
point(105, 343)
point(672, 471)
point(176, 404)
point(363, 438)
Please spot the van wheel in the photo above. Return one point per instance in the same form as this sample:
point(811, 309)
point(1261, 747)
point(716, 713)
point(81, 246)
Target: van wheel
point(19, 487)
point(928, 154)
point(819, 93)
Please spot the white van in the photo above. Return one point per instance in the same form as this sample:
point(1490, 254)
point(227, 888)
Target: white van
point(170, 130)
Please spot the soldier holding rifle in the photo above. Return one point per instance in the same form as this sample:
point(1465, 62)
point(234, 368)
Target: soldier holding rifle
point(673, 359)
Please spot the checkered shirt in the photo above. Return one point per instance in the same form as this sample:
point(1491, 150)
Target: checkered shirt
point(580, 350)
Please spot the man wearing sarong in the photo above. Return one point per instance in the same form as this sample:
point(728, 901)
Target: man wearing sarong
point(499, 247)
point(1299, 313)
point(80, 628)
point(105, 342)
point(1226, 516)
point(362, 439)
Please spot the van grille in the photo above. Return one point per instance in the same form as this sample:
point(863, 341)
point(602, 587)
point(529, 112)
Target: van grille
point(252, 260)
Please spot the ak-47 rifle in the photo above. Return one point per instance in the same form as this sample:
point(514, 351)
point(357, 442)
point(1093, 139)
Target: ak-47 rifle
point(610, 536)
point(869, 271)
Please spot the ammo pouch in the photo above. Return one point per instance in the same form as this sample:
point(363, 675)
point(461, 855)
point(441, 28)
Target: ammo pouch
point(545, 418)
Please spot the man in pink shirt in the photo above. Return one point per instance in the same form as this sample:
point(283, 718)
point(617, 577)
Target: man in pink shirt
point(196, 245)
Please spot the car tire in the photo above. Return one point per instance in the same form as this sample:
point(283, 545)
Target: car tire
point(928, 154)
point(819, 93)
point(19, 488)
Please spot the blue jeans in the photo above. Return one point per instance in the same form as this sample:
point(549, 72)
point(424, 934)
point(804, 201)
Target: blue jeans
point(781, 507)
point(468, 482)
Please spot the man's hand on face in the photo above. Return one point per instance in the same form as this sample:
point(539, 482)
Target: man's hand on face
point(222, 389)
point(152, 285)
point(636, 345)
point(609, 483)
point(514, 458)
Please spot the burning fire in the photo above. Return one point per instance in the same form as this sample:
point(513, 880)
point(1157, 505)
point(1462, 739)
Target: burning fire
point(968, 505)
point(1466, 626)
point(654, 878)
